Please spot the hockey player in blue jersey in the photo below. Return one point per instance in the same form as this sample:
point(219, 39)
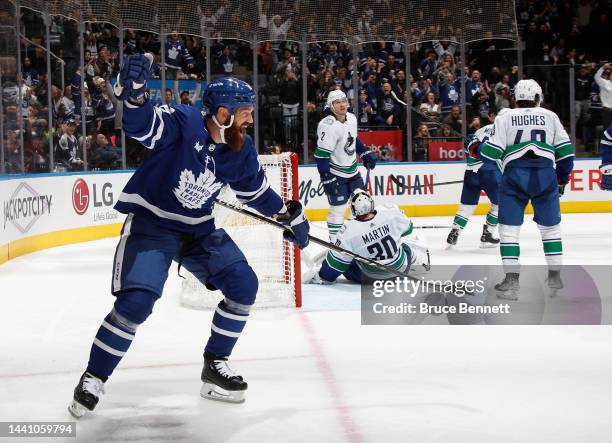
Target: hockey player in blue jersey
point(606, 159)
point(168, 202)
point(480, 174)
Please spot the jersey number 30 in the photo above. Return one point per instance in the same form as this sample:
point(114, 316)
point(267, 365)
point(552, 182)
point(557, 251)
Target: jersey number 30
point(383, 250)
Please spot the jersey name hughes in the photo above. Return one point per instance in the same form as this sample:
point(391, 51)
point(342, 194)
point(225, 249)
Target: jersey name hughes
point(376, 234)
point(528, 120)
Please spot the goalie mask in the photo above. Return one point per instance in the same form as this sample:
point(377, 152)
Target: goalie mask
point(361, 203)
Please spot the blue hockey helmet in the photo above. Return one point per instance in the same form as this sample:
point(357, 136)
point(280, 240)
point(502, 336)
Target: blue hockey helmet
point(228, 92)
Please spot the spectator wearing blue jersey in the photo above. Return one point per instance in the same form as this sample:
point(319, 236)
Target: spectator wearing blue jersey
point(177, 56)
point(428, 64)
point(449, 92)
point(29, 72)
point(388, 110)
point(226, 62)
point(366, 113)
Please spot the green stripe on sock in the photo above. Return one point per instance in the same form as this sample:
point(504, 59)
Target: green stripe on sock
point(553, 247)
point(460, 221)
point(333, 228)
point(510, 251)
point(492, 219)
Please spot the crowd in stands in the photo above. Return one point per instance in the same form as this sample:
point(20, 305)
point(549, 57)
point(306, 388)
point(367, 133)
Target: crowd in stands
point(554, 33)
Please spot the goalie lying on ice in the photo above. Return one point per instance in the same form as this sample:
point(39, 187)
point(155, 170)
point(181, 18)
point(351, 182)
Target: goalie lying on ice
point(382, 234)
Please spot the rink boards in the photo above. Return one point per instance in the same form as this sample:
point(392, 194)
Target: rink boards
point(47, 210)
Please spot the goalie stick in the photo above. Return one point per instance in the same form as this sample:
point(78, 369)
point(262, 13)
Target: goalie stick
point(314, 239)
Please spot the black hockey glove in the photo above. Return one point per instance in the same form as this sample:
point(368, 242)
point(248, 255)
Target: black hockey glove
point(295, 219)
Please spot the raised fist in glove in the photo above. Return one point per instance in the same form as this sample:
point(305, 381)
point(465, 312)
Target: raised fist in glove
point(294, 218)
point(369, 159)
point(330, 184)
point(132, 79)
point(606, 176)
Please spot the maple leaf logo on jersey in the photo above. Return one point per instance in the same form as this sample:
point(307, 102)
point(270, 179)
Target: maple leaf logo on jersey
point(172, 53)
point(198, 147)
point(194, 192)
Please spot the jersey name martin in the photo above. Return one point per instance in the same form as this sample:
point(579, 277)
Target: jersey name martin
point(376, 234)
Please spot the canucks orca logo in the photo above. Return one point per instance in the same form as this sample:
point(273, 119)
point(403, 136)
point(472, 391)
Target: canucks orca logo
point(349, 147)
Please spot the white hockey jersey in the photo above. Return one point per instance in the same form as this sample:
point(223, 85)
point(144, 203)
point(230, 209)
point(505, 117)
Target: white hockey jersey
point(521, 130)
point(379, 239)
point(338, 142)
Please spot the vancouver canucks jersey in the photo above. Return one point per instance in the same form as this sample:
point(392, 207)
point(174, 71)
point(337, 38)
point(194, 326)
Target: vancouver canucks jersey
point(379, 239)
point(338, 142)
point(179, 182)
point(473, 157)
point(523, 130)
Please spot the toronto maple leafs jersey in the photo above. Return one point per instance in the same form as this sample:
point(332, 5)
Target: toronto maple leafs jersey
point(523, 130)
point(379, 239)
point(338, 142)
point(180, 180)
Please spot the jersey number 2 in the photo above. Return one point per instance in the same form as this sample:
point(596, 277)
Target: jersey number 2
point(384, 250)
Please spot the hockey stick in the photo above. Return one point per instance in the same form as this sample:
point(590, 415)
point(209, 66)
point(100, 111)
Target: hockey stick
point(428, 118)
point(314, 239)
point(432, 227)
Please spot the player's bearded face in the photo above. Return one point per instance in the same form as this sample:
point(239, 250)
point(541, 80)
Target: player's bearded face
point(235, 135)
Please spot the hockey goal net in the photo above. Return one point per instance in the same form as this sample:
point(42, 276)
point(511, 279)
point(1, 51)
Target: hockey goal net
point(275, 261)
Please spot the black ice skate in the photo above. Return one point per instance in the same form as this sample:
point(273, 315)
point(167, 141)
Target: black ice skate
point(508, 289)
point(554, 282)
point(453, 235)
point(86, 395)
point(220, 382)
point(486, 239)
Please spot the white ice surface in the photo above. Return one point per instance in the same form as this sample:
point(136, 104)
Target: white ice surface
point(315, 374)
